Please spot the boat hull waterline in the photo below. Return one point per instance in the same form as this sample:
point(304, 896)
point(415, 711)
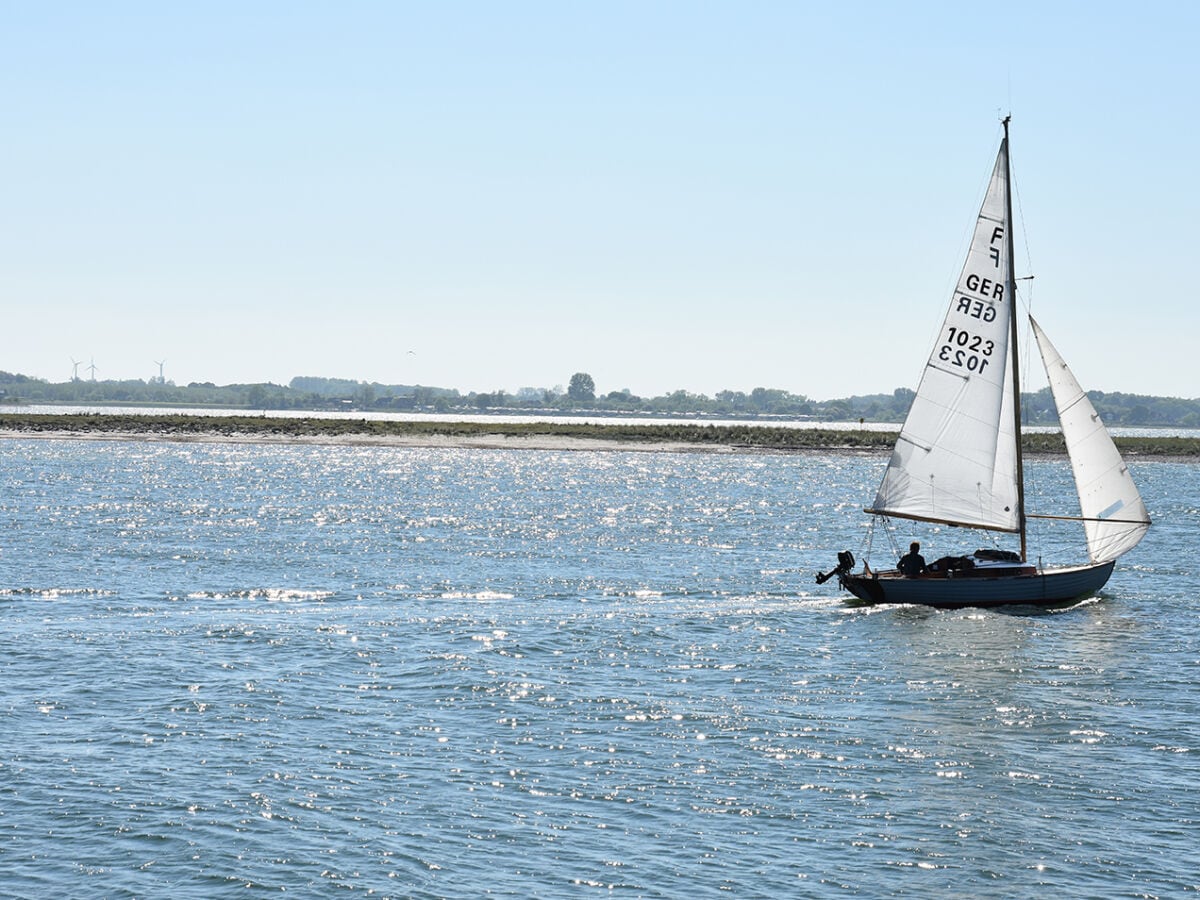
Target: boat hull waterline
point(1042, 587)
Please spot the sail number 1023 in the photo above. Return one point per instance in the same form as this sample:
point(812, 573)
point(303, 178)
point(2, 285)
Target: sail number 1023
point(965, 350)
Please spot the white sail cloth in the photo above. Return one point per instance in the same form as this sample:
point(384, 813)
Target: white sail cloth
point(1114, 516)
point(956, 459)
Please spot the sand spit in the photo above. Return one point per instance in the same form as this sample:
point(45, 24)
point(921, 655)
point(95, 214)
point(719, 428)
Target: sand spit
point(460, 441)
point(502, 434)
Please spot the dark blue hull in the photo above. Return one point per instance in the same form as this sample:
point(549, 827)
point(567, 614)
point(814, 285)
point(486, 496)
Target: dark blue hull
point(1060, 585)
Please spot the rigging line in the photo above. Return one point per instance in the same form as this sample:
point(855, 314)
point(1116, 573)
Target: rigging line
point(891, 537)
point(1024, 295)
point(866, 556)
point(1024, 232)
point(1092, 519)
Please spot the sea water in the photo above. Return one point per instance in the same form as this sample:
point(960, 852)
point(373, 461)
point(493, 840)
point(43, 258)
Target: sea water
point(237, 669)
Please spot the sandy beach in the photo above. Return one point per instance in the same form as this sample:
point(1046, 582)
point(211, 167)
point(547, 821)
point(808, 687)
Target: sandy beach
point(501, 434)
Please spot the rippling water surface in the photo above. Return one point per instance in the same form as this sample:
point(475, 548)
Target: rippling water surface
point(452, 673)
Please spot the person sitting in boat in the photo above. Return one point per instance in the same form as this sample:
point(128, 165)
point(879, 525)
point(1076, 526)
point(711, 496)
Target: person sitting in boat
point(912, 563)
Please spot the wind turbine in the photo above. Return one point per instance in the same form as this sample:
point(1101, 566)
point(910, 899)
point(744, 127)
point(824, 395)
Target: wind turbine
point(75, 369)
point(159, 363)
point(92, 368)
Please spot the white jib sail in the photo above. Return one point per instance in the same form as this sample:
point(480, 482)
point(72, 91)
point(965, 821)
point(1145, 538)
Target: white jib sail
point(955, 460)
point(1114, 516)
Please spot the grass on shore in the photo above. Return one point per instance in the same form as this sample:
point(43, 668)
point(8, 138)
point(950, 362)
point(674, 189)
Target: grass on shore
point(739, 436)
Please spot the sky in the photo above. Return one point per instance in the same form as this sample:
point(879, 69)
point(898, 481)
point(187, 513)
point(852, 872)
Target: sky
point(487, 196)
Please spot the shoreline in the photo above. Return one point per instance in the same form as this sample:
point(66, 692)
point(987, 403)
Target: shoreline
point(649, 437)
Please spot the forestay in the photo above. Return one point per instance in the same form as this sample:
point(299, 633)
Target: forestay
point(1114, 516)
point(956, 458)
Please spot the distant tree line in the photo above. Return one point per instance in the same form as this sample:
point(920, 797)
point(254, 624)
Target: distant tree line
point(1119, 409)
point(581, 396)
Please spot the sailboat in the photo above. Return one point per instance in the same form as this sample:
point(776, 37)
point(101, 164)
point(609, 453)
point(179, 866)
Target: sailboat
point(958, 459)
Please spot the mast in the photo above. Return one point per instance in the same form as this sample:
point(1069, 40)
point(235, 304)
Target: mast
point(1012, 343)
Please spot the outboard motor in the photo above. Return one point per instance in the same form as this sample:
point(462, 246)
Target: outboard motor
point(845, 564)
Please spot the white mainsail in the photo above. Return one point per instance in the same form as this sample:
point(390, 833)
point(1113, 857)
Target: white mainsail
point(956, 459)
point(1114, 516)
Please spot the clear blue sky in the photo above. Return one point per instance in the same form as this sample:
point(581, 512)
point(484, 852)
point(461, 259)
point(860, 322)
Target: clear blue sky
point(665, 195)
